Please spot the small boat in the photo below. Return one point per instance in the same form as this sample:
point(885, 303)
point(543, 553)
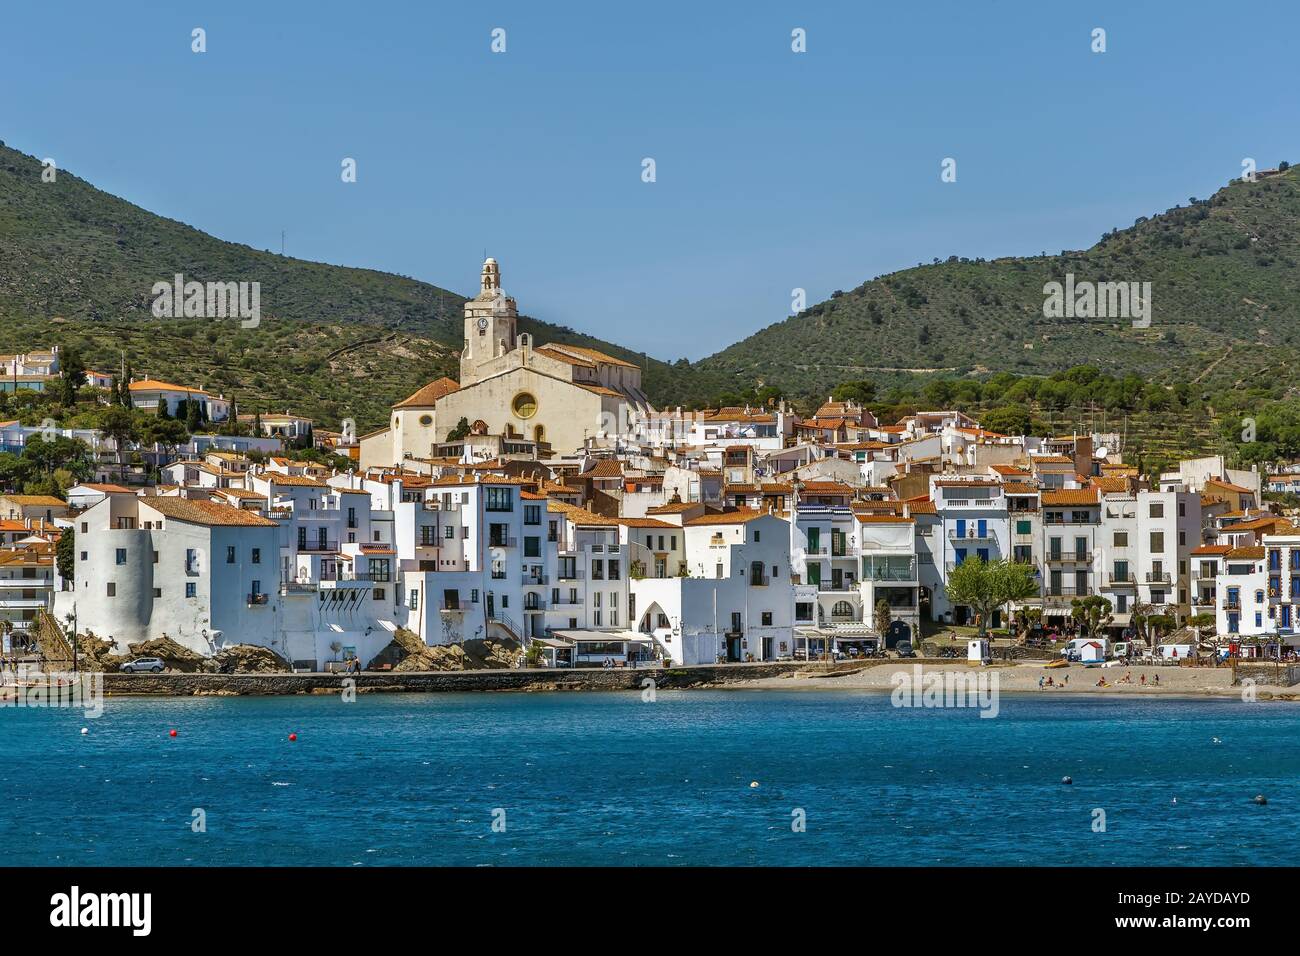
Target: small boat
point(1058, 663)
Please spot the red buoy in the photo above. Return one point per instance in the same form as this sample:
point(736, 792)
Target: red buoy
point(173, 733)
point(293, 736)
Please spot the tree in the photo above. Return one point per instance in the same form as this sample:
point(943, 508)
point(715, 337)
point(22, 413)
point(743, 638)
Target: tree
point(883, 616)
point(1092, 612)
point(1013, 582)
point(167, 432)
point(119, 424)
point(986, 587)
point(65, 554)
point(74, 376)
point(460, 431)
point(860, 391)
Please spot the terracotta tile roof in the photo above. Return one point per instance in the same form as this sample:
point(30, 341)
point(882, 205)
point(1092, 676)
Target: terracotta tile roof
point(605, 468)
point(1070, 496)
point(1109, 485)
point(428, 396)
point(153, 385)
point(1018, 488)
point(827, 488)
point(673, 507)
point(105, 489)
point(579, 516)
point(922, 508)
point(208, 513)
point(739, 516)
point(40, 501)
point(1253, 553)
point(865, 518)
point(1229, 486)
point(290, 481)
point(1212, 549)
point(585, 355)
point(1257, 524)
point(646, 523)
point(1052, 460)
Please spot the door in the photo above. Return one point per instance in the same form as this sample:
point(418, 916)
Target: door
point(981, 528)
point(961, 527)
point(491, 606)
point(814, 540)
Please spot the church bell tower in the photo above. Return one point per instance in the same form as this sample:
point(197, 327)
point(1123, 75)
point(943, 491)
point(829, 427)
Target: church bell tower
point(490, 319)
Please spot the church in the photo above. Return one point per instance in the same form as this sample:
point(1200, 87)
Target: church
point(555, 394)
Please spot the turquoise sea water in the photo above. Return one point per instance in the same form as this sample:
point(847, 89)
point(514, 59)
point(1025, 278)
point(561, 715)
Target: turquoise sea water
point(609, 779)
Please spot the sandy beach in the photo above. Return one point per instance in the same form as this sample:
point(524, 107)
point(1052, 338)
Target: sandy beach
point(1024, 678)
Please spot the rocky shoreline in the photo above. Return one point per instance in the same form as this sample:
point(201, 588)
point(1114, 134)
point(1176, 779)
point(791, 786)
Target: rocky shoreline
point(521, 679)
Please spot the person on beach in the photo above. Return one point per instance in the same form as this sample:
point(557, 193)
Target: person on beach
point(1156, 680)
point(1040, 681)
point(1065, 681)
point(1144, 680)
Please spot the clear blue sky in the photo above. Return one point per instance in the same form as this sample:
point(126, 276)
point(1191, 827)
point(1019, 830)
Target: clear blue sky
point(775, 170)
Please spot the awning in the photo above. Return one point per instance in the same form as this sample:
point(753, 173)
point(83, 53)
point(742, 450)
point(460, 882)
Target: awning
point(604, 637)
point(548, 642)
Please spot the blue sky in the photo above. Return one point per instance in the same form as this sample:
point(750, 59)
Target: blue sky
point(775, 170)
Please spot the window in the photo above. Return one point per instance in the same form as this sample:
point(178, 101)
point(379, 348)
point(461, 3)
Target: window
point(532, 547)
point(84, 527)
point(1024, 527)
point(192, 589)
point(597, 569)
point(378, 594)
point(1157, 509)
point(1157, 540)
point(257, 555)
point(414, 602)
point(112, 589)
point(157, 592)
point(85, 557)
point(230, 553)
point(551, 532)
point(121, 555)
point(767, 618)
point(500, 499)
point(532, 514)
point(1121, 539)
point(155, 557)
point(449, 532)
point(613, 569)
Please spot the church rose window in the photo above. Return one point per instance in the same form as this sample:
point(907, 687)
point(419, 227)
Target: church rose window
point(525, 405)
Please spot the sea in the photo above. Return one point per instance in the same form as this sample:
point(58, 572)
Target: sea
point(674, 778)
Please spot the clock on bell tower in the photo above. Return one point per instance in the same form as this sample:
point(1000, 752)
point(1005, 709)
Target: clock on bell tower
point(490, 319)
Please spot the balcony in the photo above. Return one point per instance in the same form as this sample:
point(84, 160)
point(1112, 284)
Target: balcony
point(44, 581)
point(817, 552)
point(572, 574)
point(1063, 595)
point(971, 534)
point(1069, 557)
point(256, 599)
point(318, 546)
point(846, 585)
point(454, 607)
point(502, 542)
point(1121, 580)
point(533, 607)
point(536, 580)
point(1231, 604)
point(1157, 577)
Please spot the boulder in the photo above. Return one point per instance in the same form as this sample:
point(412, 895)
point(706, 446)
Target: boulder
point(249, 659)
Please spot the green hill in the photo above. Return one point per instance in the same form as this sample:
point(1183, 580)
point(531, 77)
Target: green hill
point(1225, 308)
point(77, 266)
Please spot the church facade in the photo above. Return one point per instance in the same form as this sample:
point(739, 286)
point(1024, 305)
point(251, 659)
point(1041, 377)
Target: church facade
point(557, 394)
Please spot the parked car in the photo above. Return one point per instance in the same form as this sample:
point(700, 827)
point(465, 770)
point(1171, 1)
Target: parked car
point(904, 649)
point(153, 665)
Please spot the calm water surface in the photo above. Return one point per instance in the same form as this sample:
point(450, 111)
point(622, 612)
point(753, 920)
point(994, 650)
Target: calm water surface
point(587, 778)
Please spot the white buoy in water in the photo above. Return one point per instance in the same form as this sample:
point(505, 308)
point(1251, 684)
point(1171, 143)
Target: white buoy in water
point(1067, 780)
point(753, 784)
point(85, 730)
